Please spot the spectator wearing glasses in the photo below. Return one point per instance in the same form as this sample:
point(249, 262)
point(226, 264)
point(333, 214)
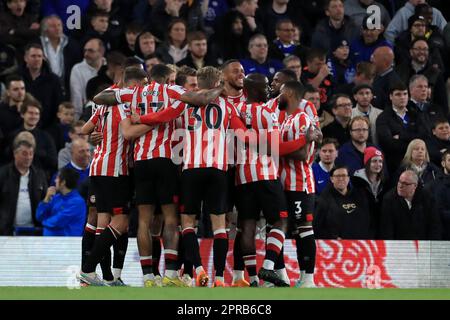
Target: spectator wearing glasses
point(284, 44)
point(421, 63)
point(351, 153)
point(409, 212)
point(82, 72)
point(342, 211)
point(339, 128)
point(418, 28)
point(363, 96)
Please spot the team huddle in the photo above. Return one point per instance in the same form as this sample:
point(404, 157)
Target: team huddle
point(181, 153)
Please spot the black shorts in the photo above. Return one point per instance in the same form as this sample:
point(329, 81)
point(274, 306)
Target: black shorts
point(110, 194)
point(204, 184)
point(231, 192)
point(300, 208)
point(156, 181)
point(266, 196)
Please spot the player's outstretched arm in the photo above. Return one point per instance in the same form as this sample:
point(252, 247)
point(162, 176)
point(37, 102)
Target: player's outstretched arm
point(202, 97)
point(132, 131)
point(107, 97)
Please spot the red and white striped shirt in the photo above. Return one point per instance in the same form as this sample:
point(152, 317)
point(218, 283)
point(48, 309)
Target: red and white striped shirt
point(111, 155)
point(205, 140)
point(251, 165)
point(148, 99)
point(304, 106)
point(205, 131)
point(296, 175)
point(237, 99)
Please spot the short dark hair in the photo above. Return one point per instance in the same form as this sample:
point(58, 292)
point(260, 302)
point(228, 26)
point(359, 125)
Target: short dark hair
point(309, 89)
point(134, 73)
point(295, 86)
point(227, 63)
point(315, 53)
point(34, 45)
point(332, 141)
point(69, 176)
point(134, 27)
point(11, 78)
point(30, 101)
point(98, 13)
point(411, 45)
point(183, 73)
point(131, 62)
point(282, 21)
point(328, 2)
point(115, 58)
point(160, 73)
point(397, 86)
point(196, 35)
point(337, 167)
point(335, 98)
point(438, 121)
point(289, 73)
point(445, 154)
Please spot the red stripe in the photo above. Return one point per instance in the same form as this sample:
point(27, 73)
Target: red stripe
point(276, 235)
point(220, 236)
point(309, 217)
point(273, 247)
point(283, 214)
point(170, 256)
point(146, 262)
point(117, 211)
point(89, 230)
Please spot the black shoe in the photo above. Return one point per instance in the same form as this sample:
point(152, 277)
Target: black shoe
point(254, 284)
point(272, 277)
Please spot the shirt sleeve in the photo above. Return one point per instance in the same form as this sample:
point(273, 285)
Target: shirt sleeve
point(168, 114)
point(95, 116)
point(125, 95)
point(175, 91)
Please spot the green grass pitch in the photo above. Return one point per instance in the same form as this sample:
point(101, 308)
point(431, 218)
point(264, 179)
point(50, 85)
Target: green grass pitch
point(133, 293)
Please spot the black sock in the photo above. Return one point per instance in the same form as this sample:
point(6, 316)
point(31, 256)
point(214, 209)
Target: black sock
point(156, 254)
point(238, 261)
point(279, 263)
point(220, 250)
point(87, 242)
point(306, 253)
point(101, 247)
point(120, 250)
point(250, 264)
point(182, 261)
point(191, 248)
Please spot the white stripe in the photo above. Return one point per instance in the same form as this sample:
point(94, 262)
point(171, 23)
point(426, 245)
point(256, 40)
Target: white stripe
point(249, 262)
point(307, 233)
point(168, 251)
point(198, 141)
point(220, 231)
point(281, 233)
point(145, 257)
point(274, 241)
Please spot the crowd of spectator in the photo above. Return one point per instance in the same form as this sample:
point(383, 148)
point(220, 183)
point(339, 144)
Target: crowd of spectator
point(379, 84)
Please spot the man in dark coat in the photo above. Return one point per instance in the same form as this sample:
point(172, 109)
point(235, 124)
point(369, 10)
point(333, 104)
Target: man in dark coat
point(409, 212)
point(22, 187)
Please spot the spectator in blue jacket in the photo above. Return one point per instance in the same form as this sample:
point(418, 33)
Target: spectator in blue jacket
point(362, 48)
point(351, 153)
point(259, 61)
point(63, 210)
